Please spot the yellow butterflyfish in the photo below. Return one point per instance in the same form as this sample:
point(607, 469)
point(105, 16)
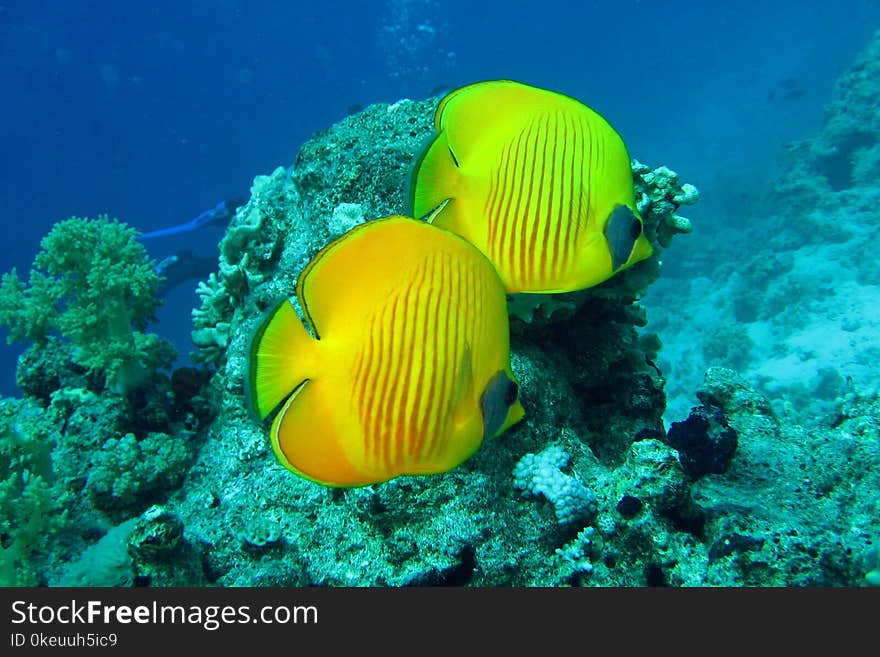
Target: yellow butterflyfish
point(537, 181)
point(408, 371)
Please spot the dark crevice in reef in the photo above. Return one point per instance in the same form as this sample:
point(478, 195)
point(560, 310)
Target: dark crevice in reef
point(837, 167)
point(459, 574)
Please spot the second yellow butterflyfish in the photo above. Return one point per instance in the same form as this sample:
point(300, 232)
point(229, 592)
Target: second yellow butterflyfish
point(408, 370)
point(536, 180)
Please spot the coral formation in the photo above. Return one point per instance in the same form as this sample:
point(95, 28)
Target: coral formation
point(589, 384)
point(576, 555)
point(28, 507)
point(104, 563)
point(844, 153)
point(659, 195)
point(704, 441)
point(792, 293)
point(541, 474)
point(160, 554)
point(796, 506)
point(102, 431)
point(99, 296)
point(585, 375)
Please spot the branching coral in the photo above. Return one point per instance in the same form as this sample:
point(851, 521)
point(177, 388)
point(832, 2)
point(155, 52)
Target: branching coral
point(93, 283)
point(659, 195)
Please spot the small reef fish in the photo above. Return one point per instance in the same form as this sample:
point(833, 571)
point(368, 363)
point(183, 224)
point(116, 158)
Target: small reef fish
point(537, 181)
point(408, 371)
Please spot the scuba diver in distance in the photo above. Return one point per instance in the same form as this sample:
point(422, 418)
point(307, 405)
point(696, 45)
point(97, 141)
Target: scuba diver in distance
point(220, 213)
point(186, 264)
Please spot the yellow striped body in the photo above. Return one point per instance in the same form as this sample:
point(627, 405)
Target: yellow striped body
point(412, 325)
point(409, 394)
point(533, 178)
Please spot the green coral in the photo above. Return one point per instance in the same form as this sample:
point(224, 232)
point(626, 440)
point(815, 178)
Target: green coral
point(126, 471)
point(93, 283)
point(29, 507)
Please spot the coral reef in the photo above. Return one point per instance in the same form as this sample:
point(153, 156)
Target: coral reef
point(784, 293)
point(586, 381)
point(835, 172)
point(845, 152)
point(591, 389)
point(796, 506)
point(174, 482)
point(29, 510)
point(102, 430)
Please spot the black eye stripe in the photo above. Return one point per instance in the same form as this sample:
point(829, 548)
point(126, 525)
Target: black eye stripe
point(511, 393)
point(635, 229)
point(622, 229)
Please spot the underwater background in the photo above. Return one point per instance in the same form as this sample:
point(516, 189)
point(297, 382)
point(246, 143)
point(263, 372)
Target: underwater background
point(713, 421)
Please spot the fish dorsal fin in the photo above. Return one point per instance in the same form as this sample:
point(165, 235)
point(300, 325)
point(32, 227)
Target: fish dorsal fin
point(434, 179)
point(478, 115)
point(349, 277)
point(470, 99)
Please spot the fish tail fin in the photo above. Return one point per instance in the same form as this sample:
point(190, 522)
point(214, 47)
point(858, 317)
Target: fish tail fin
point(433, 176)
point(305, 436)
point(282, 357)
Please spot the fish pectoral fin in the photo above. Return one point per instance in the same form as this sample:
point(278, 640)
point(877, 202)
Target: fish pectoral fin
point(307, 440)
point(434, 177)
point(464, 387)
point(432, 215)
point(622, 230)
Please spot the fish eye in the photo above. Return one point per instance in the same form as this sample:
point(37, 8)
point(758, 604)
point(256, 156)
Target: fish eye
point(635, 229)
point(511, 393)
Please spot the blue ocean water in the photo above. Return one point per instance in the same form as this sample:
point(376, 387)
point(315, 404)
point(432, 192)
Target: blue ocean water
point(154, 112)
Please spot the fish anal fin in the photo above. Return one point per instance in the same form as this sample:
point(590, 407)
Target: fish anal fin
point(307, 440)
